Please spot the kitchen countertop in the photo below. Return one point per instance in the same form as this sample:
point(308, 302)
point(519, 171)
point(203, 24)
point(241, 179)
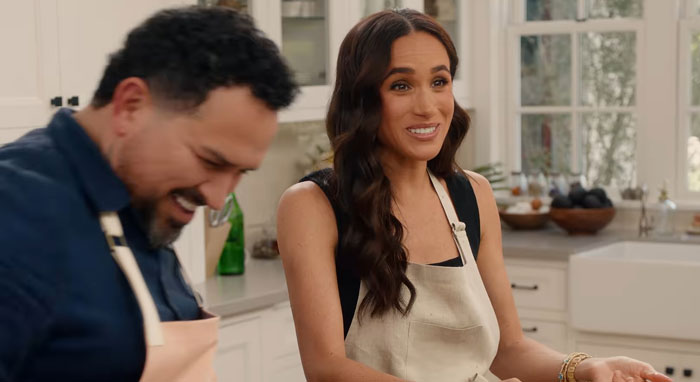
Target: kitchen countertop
point(263, 283)
point(555, 244)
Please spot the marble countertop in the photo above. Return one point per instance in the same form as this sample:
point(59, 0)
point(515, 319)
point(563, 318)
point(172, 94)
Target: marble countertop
point(263, 283)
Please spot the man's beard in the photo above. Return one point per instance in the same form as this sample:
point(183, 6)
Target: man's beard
point(160, 232)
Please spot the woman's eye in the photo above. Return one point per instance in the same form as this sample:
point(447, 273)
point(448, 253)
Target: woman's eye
point(400, 86)
point(439, 82)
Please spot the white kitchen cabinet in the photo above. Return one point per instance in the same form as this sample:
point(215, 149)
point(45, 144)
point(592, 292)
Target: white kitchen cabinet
point(259, 346)
point(280, 349)
point(551, 333)
point(56, 50)
point(29, 68)
point(89, 31)
point(539, 290)
point(538, 286)
point(239, 355)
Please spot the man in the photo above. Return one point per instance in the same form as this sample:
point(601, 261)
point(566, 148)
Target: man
point(184, 109)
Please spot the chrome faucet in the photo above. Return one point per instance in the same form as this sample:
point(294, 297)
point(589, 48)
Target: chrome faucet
point(645, 222)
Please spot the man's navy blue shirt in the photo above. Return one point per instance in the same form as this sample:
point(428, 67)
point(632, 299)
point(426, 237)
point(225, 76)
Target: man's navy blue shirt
point(67, 312)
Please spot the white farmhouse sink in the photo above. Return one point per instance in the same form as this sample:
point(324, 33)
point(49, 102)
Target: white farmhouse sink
point(637, 288)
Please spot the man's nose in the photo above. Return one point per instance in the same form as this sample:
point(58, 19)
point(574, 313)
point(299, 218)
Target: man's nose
point(218, 188)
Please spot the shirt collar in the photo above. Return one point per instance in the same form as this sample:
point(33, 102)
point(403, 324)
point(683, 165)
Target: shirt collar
point(102, 186)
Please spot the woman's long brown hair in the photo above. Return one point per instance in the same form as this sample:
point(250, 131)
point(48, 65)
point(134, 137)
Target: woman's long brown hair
point(373, 235)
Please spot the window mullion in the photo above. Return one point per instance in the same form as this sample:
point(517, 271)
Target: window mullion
point(575, 129)
point(581, 11)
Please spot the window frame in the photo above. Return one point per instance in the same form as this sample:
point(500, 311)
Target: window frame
point(688, 25)
point(519, 27)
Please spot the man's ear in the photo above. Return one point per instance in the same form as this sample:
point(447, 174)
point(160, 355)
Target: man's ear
point(131, 98)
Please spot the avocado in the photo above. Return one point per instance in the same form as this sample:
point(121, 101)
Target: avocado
point(562, 201)
point(591, 201)
point(576, 195)
point(599, 193)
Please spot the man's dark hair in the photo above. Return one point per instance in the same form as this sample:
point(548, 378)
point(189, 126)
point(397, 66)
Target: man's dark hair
point(185, 53)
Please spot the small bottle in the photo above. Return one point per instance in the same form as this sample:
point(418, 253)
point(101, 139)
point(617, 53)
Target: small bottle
point(561, 184)
point(664, 217)
point(544, 184)
point(516, 188)
point(578, 179)
point(232, 260)
point(534, 186)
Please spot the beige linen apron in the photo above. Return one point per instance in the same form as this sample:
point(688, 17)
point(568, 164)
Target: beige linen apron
point(451, 332)
point(176, 351)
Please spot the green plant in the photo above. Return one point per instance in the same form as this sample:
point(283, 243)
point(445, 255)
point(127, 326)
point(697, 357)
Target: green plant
point(493, 172)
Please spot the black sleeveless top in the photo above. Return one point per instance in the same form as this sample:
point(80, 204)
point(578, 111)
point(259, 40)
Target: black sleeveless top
point(465, 204)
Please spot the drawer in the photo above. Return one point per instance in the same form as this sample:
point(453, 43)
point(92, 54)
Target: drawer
point(538, 288)
point(552, 334)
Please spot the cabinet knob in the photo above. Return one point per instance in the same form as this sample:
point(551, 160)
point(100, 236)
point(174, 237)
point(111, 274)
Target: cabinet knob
point(57, 101)
point(669, 370)
point(526, 287)
point(73, 101)
point(688, 373)
point(530, 330)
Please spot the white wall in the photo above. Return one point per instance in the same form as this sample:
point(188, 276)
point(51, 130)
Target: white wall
point(259, 191)
point(488, 70)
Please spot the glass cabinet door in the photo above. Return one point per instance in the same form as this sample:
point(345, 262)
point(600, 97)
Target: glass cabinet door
point(239, 5)
point(305, 39)
point(447, 12)
point(373, 6)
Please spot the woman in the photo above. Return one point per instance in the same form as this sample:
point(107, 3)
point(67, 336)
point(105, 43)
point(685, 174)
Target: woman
point(384, 280)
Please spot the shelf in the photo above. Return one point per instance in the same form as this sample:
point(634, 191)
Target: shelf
point(304, 18)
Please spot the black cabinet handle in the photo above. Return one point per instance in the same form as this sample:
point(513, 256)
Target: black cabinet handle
point(74, 101)
point(57, 101)
point(530, 330)
point(526, 287)
point(669, 370)
point(688, 373)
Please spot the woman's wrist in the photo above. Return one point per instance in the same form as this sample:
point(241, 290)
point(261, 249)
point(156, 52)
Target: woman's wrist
point(585, 369)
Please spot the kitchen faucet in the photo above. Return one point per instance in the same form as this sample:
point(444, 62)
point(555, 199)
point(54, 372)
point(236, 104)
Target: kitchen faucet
point(645, 222)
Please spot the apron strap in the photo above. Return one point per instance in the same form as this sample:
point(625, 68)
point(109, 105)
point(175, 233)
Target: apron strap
point(112, 228)
point(188, 279)
point(459, 229)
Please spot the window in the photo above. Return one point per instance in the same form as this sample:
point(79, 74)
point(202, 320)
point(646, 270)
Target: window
point(574, 77)
point(689, 101)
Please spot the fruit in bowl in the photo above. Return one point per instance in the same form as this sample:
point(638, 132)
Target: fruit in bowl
point(525, 215)
point(582, 211)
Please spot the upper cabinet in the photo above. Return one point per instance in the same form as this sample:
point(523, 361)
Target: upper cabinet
point(88, 32)
point(57, 50)
point(309, 34)
point(29, 75)
point(453, 16)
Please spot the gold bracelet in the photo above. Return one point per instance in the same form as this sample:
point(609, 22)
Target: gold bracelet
point(562, 371)
point(564, 374)
point(571, 367)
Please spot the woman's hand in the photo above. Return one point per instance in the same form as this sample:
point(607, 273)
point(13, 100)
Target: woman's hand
point(617, 369)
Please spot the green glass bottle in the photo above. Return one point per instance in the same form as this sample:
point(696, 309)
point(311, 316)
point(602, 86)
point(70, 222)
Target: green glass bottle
point(232, 260)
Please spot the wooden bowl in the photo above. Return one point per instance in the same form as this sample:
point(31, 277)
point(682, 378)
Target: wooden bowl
point(582, 221)
point(524, 221)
